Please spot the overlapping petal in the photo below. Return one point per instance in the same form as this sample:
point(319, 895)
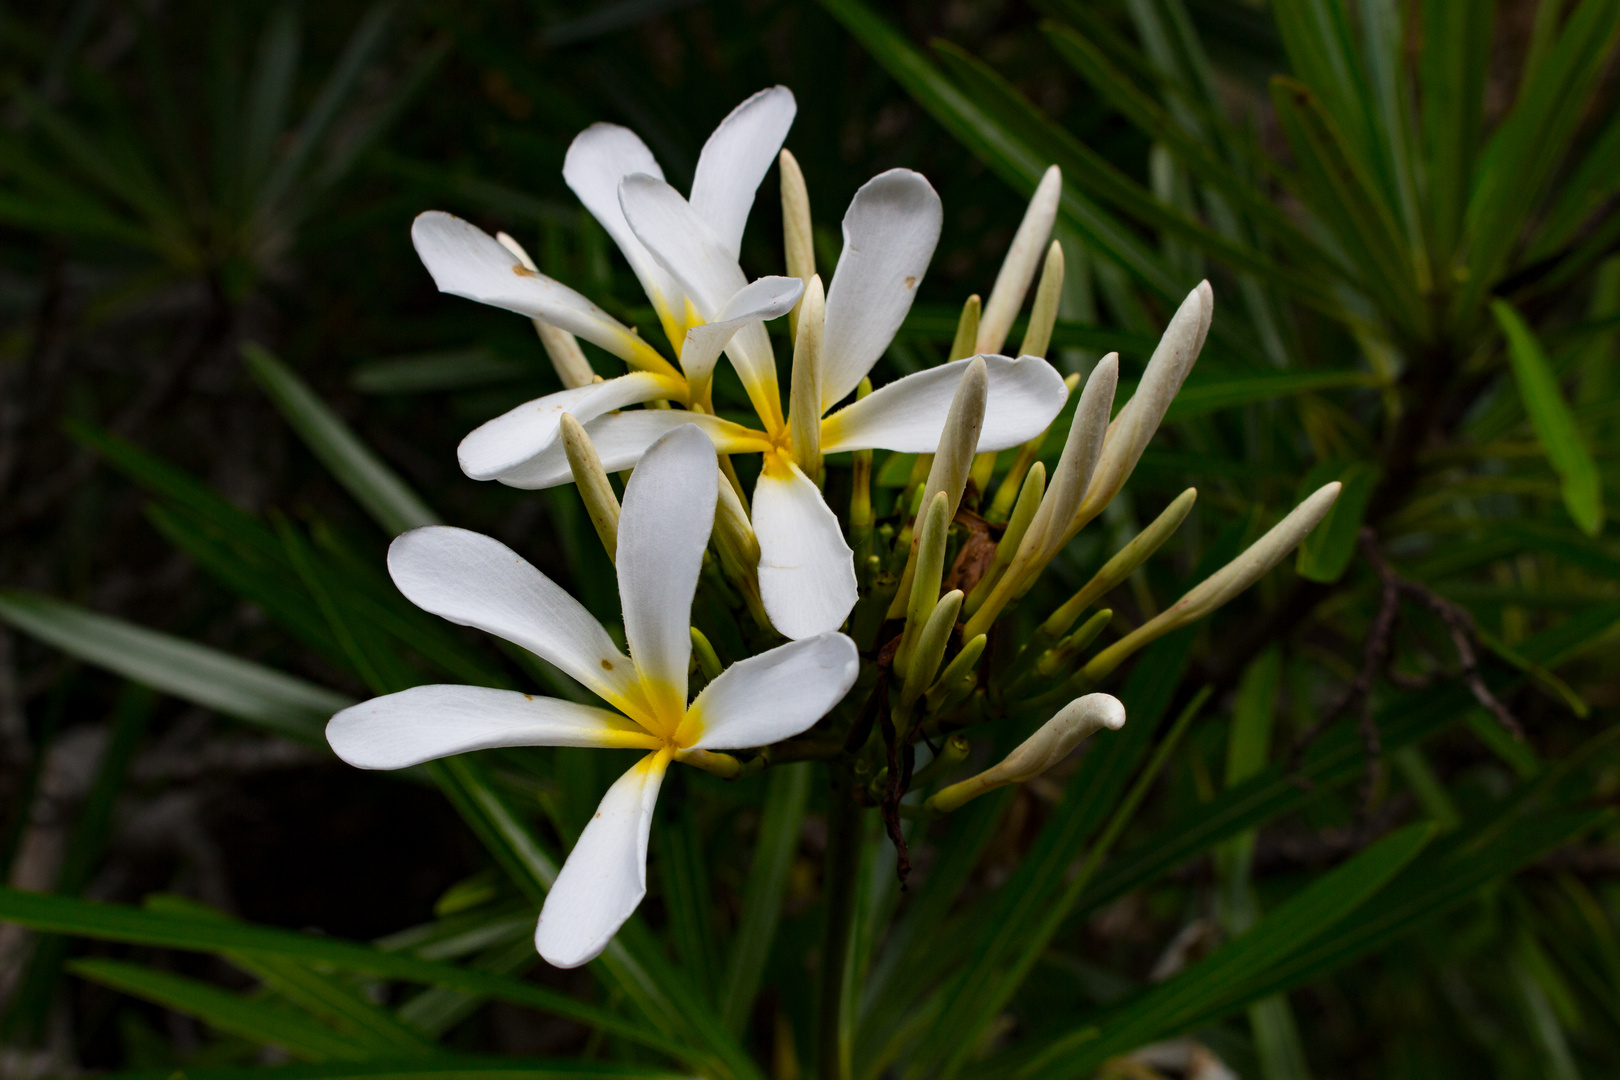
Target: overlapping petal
point(890, 231)
point(476, 580)
point(427, 722)
point(605, 876)
point(597, 159)
point(908, 414)
point(502, 444)
point(663, 531)
point(775, 695)
point(760, 300)
point(806, 570)
point(620, 440)
point(700, 264)
point(735, 160)
point(466, 261)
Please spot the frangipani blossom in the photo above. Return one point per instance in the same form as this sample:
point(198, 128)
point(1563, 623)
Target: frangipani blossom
point(684, 251)
point(474, 580)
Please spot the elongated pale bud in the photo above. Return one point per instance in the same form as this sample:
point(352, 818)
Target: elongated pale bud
point(1029, 501)
point(1043, 315)
point(1018, 269)
point(1045, 536)
point(967, 330)
point(1133, 428)
point(949, 472)
point(708, 661)
point(591, 479)
point(860, 501)
point(561, 346)
point(797, 239)
point(804, 395)
point(930, 648)
point(1222, 585)
point(927, 571)
point(1056, 739)
point(1123, 564)
point(955, 682)
point(738, 548)
point(1027, 453)
point(1081, 451)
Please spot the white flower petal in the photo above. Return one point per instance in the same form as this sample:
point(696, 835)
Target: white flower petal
point(760, 300)
point(908, 414)
point(806, 570)
point(476, 580)
point(466, 261)
point(735, 160)
point(663, 531)
point(890, 230)
point(597, 159)
point(620, 440)
point(775, 695)
point(605, 876)
point(428, 722)
point(509, 440)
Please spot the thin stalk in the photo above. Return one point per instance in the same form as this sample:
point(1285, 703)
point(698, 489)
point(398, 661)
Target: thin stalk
point(842, 872)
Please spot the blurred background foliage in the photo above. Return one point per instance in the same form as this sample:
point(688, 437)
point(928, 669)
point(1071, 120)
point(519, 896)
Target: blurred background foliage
point(1406, 207)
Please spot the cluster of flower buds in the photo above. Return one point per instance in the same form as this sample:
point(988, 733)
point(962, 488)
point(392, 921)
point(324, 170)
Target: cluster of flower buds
point(868, 636)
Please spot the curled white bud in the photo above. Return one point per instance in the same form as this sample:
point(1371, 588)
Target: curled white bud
point(1055, 740)
point(1018, 269)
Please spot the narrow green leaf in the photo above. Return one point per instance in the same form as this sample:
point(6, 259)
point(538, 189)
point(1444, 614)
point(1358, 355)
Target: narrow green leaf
point(387, 498)
point(435, 371)
point(257, 1021)
point(192, 672)
point(1553, 422)
point(1326, 553)
point(1451, 70)
point(451, 1068)
point(1224, 975)
point(683, 871)
point(1200, 397)
point(115, 922)
point(786, 794)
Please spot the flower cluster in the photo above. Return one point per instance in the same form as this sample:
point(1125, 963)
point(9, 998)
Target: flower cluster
point(859, 605)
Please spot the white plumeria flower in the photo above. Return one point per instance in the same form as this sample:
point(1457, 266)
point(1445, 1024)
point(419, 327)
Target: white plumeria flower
point(684, 251)
point(474, 580)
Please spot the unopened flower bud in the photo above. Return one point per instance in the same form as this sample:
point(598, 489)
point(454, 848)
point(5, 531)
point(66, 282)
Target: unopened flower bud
point(804, 396)
point(1018, 269)
point(1043, 314)
point(1223, 584)
point(956, 681)
point(797, 238)
point(1123, 564)
point(930, 648)
point(601, 505)
point(1056, 739)
point(927, 571)
point(967, 330)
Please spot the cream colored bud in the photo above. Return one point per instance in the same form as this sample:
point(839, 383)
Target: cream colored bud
point(797, 238)
point(930, 648)
point(1081, 452)
point(1056, 739)
point(959, 439)
point(601, 505)
point(1223, 584)
point(1029, 502)
point(804, 395)
point(1018, 269)
point(1133, 428)
point(1043, 315)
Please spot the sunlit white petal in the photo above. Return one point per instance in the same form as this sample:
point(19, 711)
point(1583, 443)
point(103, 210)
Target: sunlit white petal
point(620, 440)
point(428, 722)
point(735, 160)
point(663, 531)
point(476, 580)
point(760, 300)
point(605, 876)
point(890, 231)
point(908, 414)
point(517, 435)
point(466, 261)
point(775, 695)
point(806, 570)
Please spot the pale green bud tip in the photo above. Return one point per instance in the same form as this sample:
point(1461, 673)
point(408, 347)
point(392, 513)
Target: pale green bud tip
point(1261, 556)
point(1024, 254)
point(959, 438)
